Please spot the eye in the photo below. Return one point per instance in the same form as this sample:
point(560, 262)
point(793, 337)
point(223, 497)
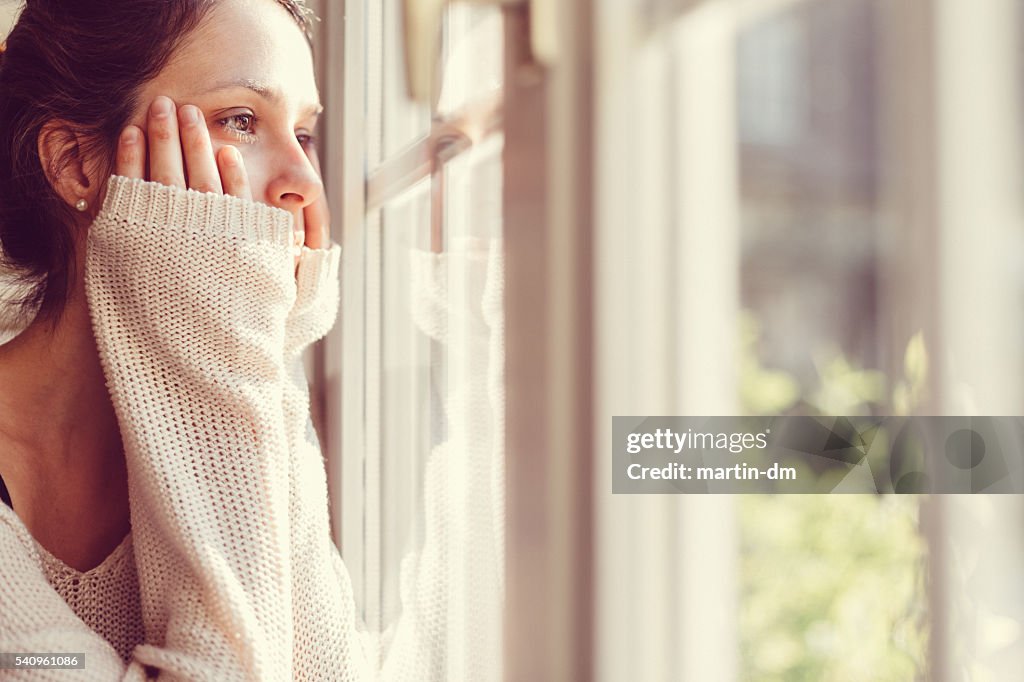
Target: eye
point(242, 125)
point(307, 140)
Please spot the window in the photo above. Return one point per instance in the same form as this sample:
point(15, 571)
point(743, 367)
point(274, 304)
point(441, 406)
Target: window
point(802, 206)
point(414, 414)
point(706, 207)
point(816, 341)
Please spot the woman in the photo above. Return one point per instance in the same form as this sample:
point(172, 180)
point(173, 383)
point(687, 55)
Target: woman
point(167, 510)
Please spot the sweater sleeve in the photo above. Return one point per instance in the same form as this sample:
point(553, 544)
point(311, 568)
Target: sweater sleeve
point(189, 295)
point(328, 645)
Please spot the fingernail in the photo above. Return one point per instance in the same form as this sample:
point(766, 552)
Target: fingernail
point(233, 154)
point(162, 106)
point(130, 135)
point(189, 115)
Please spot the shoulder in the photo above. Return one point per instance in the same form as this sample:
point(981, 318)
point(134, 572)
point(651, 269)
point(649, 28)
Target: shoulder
point(23, 581)
point(15, 540)
point(22, 567)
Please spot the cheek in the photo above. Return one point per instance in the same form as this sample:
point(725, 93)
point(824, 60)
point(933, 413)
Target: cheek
point(257, 166)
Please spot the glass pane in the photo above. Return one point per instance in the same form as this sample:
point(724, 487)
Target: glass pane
point(831, 588)
point(473, 197)
point(409, 420)
point(871, 166)
point(436, 287)
point(441, 429)
point(474, 56)
point(816, 340)
point(403, 120)
point(808, 172)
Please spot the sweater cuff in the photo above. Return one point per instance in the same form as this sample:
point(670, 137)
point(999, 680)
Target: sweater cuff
point(152, 205)
point(317, 269)
point(317, 298)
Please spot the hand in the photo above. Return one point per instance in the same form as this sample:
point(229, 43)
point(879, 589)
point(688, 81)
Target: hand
point(315, 218)
point(180, 154)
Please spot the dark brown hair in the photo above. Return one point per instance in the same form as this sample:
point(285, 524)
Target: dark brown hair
point(83, 63)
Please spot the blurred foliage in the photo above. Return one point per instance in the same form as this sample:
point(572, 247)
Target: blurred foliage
point(845, 389)
point(762, 391)
point(832, 585)
point(842, 389)
point(908, 391)
point(832, 589)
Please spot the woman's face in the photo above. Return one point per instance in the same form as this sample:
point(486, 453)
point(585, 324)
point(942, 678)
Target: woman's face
point(249, 69)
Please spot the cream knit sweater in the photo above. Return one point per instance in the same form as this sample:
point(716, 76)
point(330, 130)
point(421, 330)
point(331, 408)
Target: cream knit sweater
point(229, 572)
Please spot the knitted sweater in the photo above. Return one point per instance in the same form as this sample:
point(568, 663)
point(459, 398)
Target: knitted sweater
point(229, 572)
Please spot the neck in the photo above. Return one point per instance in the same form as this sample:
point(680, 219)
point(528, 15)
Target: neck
point(60, 445)
point(55, 401)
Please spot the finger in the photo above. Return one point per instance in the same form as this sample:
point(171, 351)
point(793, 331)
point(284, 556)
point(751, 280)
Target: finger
point(298, 235)
point(317, 221)
point(317, 216)
point(131, 154)
point(232, 173)
point(165, 163)
point(200, 166)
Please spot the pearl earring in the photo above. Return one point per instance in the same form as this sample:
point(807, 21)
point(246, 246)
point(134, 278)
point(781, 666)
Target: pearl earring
point(82, 205)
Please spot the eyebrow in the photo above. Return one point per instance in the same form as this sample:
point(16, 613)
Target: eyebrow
point(264, 91)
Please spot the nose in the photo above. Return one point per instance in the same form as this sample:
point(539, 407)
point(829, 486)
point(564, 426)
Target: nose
point(296, 183)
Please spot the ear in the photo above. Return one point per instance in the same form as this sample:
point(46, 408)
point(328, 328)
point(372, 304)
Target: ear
point(70, 173)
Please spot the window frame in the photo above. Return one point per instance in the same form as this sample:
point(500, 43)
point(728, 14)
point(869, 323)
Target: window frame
point(342, 375)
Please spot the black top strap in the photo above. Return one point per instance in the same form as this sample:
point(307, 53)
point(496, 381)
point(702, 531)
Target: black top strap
point(5, 496)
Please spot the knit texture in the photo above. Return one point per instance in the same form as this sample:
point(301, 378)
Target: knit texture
point(200, 321)
point(229, 572)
